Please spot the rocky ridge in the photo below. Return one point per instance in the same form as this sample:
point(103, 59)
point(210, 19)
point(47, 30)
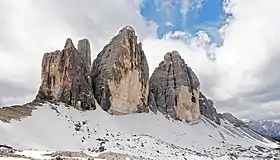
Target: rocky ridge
point(266, 128)
point(119, 80)
point(65, 76)
point(235, 121)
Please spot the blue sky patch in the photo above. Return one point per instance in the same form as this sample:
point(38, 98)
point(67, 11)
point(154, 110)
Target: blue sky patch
point(208, 16)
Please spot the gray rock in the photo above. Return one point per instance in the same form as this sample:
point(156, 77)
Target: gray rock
point(66, 78)
point(174, 89)
point(207, 109)
point(120, 74)
point(84, 50)
point(152, 103)
point(235, 121)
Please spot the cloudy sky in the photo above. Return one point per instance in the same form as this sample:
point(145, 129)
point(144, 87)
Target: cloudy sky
point(232, 45)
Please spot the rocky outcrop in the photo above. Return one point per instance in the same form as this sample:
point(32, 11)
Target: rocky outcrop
point(235, 121)
point(207, 109)
point(120, 75)
point(85, 53)
point(174, 89)
point(17, 112)
point(65, 76)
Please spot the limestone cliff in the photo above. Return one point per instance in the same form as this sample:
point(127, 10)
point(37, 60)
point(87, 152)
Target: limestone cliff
point(65, 76)
point(207, 109)
point(174, 89)
point(120, 75)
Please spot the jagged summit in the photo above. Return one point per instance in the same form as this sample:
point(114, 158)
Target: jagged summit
point(174, 89)
point(69, 43)
point(120, 75)
point(84, 50)
point(118, 80)
point(65, 77)
point(173, 55)
point(127, 28)
point(176, 61)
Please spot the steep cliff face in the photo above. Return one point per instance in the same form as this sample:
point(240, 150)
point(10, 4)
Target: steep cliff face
point(85, 54)
point(120, 75)
point(65, 76)
point(207, 109)
point(174, 89)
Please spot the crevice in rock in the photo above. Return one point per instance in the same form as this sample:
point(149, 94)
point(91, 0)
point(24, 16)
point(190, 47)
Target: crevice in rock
point(167, 83)
point(176, 100)
point(174, 79)
point(191, 87)
point(53, 78)
point(49, 81)
point(62, 61)
point(193, 98)
point(131, 50)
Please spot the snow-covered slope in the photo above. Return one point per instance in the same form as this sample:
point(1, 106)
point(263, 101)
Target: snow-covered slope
point(53, 127)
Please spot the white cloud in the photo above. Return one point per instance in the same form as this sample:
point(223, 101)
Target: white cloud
point(32, 27)
point(169, 24)
point(250, 42)
point(251, 45)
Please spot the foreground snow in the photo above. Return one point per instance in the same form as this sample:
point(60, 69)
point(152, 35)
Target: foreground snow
point(52, 128)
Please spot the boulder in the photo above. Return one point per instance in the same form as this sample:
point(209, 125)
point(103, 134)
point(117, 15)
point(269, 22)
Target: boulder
point(120, 75)
point(207, 109)
point(174, 89)
point(65, 76)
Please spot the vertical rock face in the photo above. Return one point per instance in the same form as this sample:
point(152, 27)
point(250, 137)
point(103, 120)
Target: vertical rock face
point(207, 109)
point(84, 50)
point(65, 76)
point(174, 89)
point(120, 74)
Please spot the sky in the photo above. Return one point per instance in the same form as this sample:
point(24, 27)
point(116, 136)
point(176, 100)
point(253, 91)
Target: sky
point(232, 45)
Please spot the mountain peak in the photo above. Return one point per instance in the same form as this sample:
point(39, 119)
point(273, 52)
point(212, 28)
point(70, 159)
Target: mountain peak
point(265, 127)
point(174, 89)
point(120, 75)
point(65, 77)
point(84, 50)
point(127, 28)
point(68, 43)
point(172, 56)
